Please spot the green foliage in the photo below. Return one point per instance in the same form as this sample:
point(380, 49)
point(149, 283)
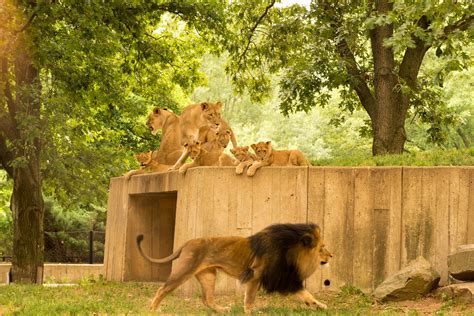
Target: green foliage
point(434, 157)
point(103, 66)
point(67, 232)
point(6, 220)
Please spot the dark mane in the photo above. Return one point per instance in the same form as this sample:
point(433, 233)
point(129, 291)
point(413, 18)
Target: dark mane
point(281, 274)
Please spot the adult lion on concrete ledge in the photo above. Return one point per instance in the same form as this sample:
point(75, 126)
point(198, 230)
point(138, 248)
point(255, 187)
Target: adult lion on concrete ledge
point(278, 258)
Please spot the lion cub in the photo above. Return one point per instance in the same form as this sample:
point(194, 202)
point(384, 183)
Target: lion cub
point(147, 164)
point(216, 138)
point(266, 156)
point(244, 157)
point(202, 157)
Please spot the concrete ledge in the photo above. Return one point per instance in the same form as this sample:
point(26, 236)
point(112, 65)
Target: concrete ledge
point(60, 272)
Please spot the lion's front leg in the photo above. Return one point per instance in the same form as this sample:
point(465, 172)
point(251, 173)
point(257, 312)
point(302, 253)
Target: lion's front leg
point(131, 173)
point(250, 294)
point(186, 166)
point(241, 166)
point(181, 159)
point(309, 299)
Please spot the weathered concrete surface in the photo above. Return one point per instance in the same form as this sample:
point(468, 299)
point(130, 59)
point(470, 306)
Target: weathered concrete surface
point(415, 280)
point(461, 292)
point(461, 263)
point(374, 219)
point(61, 272)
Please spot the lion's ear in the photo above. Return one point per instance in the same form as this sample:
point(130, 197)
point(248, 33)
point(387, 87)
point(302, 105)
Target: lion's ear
point(186, 145)
point(204, 106)
point(268, 143)
point(254, 146)
point(219, 105)
point(229, 132)
point(308, 241)
point(156, 111)
point(245, 148)
point(317, 232)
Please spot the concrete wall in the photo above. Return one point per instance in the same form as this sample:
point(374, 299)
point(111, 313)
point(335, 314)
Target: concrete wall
point(61, 272)
point(374, 220)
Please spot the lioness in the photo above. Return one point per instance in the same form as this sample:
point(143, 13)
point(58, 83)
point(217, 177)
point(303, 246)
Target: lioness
point(170, 147)
point(194, 117)
point(269, 157)
point(278, 258)
point(244, 157)
point(148, 164)
point(202, 157)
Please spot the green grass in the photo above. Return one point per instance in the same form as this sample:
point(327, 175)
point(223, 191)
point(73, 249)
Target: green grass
point(133, 298)
point(437, 157)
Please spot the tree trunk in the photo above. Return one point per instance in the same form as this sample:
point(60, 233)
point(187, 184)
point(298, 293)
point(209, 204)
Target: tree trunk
point(28, 234)
point(389, 116)
point(389, 130)
point(27, 200)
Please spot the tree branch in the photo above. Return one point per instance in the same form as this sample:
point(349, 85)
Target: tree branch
point(252, 30)
point(413, 57)
point(6, 126)
point(461, 25)
point(359, 83)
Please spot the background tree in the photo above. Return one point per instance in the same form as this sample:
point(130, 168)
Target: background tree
point(372, 52)
point(73, 78)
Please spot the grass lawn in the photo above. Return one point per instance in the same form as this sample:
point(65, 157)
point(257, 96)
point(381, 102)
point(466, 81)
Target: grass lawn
point(97, 297)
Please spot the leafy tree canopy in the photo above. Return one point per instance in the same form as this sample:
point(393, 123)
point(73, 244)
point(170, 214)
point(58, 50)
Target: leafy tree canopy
point(369, 51)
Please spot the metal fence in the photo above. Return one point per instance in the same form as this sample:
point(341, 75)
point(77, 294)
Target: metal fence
point(79, 246)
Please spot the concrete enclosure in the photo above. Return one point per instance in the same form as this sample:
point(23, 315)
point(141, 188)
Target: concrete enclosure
point(374, 219)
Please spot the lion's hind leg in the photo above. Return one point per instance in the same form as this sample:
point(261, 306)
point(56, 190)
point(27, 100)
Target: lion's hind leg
point(309, 299)
point(185, 268)
point(207, 279)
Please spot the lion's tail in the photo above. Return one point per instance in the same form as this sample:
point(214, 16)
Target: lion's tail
point(171, 257)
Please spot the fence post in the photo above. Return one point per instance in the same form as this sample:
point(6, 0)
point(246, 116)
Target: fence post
point(91, 247)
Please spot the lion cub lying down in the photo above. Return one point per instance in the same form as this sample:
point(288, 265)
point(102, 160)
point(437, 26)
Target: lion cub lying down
point(267, 156)
point(244, 157)
point(278, 259)
point(147, 164)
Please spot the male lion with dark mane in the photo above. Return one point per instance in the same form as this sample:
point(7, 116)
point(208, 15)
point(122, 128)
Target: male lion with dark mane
point(278, 258)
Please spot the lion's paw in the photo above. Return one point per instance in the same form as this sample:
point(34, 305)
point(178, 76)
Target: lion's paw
point(239, 170)
point(317, 304)
point(222, 309)
point(251, 171)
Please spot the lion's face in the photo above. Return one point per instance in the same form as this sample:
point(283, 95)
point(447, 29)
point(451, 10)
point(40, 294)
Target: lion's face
point(262, 149)
point(223, 136)
point(240, 153)
point(144, 158)
point(324, 255)
point(194, 149)
point(156, 119)
point(211, 112)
